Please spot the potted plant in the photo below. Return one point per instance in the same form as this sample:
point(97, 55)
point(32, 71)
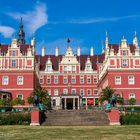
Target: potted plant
point(132, 101)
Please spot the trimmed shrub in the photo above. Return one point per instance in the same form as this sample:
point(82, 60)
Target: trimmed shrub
point(15, 119)
point(130, 119)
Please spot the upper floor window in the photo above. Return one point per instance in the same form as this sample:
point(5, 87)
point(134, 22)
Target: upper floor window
point(89, 91)
point(124, 62)
point(56, 80)
point(131, 95)
point(49, 68)
point(81, 80)
point(49, 91)
point(88, 80)
point(20, 96)
point(65, 80)
point(48, 80)
point(131, 80)
point(73, 91)
point(73, 80)
point(117, 80)
point(73, 68)
point(95, 92)
point(65, 91)
point(124, 53)
point(95, 80)
point(13, 53)
point(13, 63)
point(65, 68)
point(20, 80)
point(56, 92)
point(81, 92)
point(5, 80)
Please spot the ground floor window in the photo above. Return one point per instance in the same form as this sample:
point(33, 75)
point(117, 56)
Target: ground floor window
point(54, 102)
point(20, 96)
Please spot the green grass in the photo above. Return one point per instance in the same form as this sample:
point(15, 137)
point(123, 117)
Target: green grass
point(70, 132)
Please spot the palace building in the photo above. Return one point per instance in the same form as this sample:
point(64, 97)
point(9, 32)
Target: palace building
point(72, 80)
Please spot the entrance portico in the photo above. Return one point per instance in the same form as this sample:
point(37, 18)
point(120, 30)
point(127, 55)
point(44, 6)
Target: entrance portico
point(70, 101)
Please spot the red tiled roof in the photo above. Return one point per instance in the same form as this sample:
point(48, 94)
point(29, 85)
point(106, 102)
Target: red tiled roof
point(56, 59)
point(116, 47)
point(23, 47)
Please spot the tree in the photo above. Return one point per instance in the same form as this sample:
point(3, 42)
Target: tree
point(132, 101)
point(120, 100)
point(42, 96)
point(107, 94)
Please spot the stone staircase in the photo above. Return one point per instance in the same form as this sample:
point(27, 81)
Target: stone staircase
point(76, 117)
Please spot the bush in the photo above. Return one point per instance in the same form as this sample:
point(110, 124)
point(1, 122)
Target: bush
point(17, 101)
point(130, 119)
point(3, 102)
point(15, 119)
point(30, 99)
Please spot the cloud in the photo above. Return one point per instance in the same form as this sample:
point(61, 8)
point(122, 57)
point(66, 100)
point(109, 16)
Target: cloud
point(94, 20)
point(6, 31)
point(61, 44)
point(33, 19)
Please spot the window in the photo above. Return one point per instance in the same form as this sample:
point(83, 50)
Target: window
point(65, 80)
point(56, 92)
point(124, 62)
point(88, 80)
point(117, 80)
point(81, 92)
point(48, 80)
point(41, 80)
point(56, 80)
point(49, 69)
point(65, 68)
point(81, 80)
point(131, 95)
point(13, 53)
point(95, 92)
point(89, 91)
point(49, 91)
point(54, 102)
point(65, 91)
point(20, 80)
point(73, 80)
point(5, 80)
point(20, 96)
point(88, 67)
point(124, 53)
point(13, 63)
point(73, 91)
point(95, 80)
point(73, 68)
point(131, 80)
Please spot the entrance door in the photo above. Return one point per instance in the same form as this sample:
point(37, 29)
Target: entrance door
point(69, 103)
point(4, 96)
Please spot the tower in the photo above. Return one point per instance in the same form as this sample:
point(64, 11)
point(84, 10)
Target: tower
point(21, 33)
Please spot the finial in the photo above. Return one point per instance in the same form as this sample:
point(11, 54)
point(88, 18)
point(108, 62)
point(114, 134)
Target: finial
point(106, 34)
point(68, 40)
point(123, 36)
point(135, 34)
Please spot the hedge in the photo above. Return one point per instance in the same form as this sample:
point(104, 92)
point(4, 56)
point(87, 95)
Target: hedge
point(15, 119)
point(130, 119)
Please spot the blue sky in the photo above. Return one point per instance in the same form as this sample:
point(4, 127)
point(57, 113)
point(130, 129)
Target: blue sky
point(85, 22)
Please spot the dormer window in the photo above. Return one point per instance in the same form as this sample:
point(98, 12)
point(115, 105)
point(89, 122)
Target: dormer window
point(13, 53)
point(49, 68)
point(88, 67)
point(124, 62)
point(65, 68)
point(124, 53)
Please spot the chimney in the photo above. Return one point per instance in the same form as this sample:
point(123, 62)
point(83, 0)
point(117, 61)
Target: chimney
point(43, 51)
point(56, 51)
point(91, 51)
point(78, 51)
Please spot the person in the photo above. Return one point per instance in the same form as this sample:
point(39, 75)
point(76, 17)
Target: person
point(113, 101)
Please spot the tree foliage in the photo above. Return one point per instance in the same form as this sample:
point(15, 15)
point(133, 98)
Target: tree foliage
point(132, 101)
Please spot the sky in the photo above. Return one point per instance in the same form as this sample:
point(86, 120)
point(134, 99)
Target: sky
point(85, 22)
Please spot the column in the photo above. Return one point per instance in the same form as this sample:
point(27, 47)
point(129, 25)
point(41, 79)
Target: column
point(86, 104)
point(73, 103)
point(78, 103)
point(65, 105)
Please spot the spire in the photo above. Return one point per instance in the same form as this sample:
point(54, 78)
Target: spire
point(68, 42)
point(106, 41)
point(21, 33)
point(135, 40)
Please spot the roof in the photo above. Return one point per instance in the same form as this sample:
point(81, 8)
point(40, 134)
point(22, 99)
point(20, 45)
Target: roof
point(116, 47)
point(56, 59)
point(23, 47)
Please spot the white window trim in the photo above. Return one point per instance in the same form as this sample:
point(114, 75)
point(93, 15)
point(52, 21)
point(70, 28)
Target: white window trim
point(72, 80)
point(64, 80)
point(132, 97)
point(49, 91)
point(18, 81)
point(20, 94)
point(3, 80)
point(88, 90)
point(94, 92)
point(55, 77)
point(48, 77)
point(89, 77)
point(83, 91)
point(119, 82)
point(80, 80)
point(133, 80)
point(73, 89)
point(65, 89)
point(56, 90)
point(96, 79)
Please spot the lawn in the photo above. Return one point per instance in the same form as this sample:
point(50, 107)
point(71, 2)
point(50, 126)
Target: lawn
point(69, 132)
